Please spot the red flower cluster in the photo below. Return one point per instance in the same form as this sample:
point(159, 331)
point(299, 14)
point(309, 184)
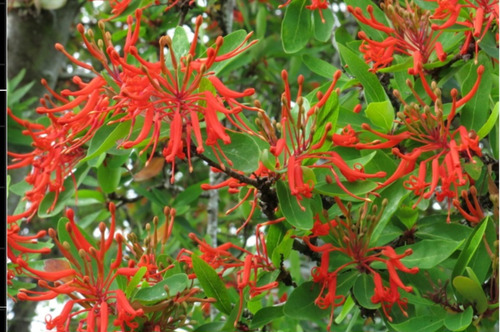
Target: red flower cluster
point(353, 238)
point(298, 144)
point(56, 153)
point(157, 93)
point(220, 258)
point(411, 35)
point(86, 274)
point(438, 145)
point(481, 14)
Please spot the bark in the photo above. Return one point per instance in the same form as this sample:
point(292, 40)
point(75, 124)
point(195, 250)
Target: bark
point(30, 43)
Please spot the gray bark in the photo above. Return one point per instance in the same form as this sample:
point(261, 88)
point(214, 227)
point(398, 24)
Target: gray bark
point(30, 43)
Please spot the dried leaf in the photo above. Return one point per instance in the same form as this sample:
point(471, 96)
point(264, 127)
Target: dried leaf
point(151, 170)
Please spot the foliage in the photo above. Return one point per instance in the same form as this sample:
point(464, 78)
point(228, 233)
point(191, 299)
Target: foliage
point(357, 198)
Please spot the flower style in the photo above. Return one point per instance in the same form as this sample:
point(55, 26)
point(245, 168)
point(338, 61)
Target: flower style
point(352, 239)
point(411, 35)
point(86, 274)
point(439, 146)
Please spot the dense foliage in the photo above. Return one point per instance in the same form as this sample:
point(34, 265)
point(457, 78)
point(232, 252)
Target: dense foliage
point(264, 166)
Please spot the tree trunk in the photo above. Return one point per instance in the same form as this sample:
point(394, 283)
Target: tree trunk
point(30, 43)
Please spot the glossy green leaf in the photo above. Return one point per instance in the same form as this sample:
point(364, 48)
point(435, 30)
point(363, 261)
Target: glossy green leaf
point(266, 315)
point(212, 326)
point(472, 292)
point(319, 66)
point(296, 27)
point(323, 30)
point(174, 284)
point(490, 123)
point(381, 114)
point(363, 290)
point(420, 323)
point(470, 248)
point(134, 282)
point(428, 253)
point(374, 92)
point(212, 285)
point(108, 177)
point(300, 303)
point(347, 307)
point(474, 113)
point(459, 321)
point(105, 138)
point(246, 162)
point(281, 252)
point(407, 215)
point(261, 22)
point(300, 218)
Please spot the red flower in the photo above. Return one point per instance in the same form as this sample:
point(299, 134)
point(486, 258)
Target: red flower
point(52, 160)
point(86, 275)
point(411, 35)
point(353, 235)
point(298, 129)
point(440, 147)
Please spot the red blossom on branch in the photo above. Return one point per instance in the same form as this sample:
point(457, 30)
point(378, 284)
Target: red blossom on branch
point(352, 237)
point(438, 147)
point(410, 34)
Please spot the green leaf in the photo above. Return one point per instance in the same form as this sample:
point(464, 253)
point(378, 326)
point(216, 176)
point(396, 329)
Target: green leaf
point(213, 326)
point(300, 303)
point(180, 43)
point(212, 285)
point(296, 26)
point(302, 219)
point(261, 22)
point(428, 253)
point(108, 177)
point(440, 230)
point(266, 315)
point(246, 162)
point(470, 248)
point(134, 282)
point(381, 114)
point(474, 113)
point(420, 323)
point(363, 290)
point(44, 210)
point(275, 234)
point(282, 251)
point(490, 123)
point(105, 138)
point(472, 292)
point(318, 66)
point(349, 304)
point(459, 321)
point(474, 168)
point(407, 215)
point(374, 92)
point(323, 30)
point(175, 284)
